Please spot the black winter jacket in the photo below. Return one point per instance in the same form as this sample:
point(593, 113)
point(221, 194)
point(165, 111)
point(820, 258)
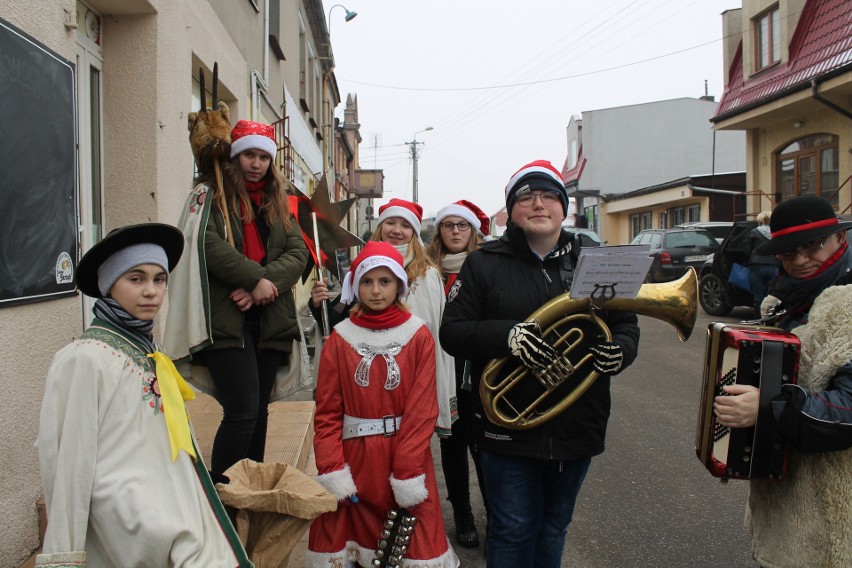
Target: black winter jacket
point(500, 285)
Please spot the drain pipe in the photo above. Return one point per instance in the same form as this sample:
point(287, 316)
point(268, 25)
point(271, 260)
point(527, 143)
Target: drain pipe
point(815, 94)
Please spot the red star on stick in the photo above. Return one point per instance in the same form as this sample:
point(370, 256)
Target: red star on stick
point(332, 236)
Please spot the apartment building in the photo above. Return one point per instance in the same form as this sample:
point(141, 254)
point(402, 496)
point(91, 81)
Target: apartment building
point(789, 89)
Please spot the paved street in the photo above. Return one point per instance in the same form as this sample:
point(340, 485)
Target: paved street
point(648, 501)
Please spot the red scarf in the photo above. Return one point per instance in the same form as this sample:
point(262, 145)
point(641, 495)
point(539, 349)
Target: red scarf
point(829, 262)
point(391, 316)
point(253, 247)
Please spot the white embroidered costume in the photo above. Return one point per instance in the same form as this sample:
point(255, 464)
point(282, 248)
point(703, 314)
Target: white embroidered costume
point(114, 496)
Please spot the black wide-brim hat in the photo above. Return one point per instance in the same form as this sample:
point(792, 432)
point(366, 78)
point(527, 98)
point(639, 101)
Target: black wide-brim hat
point(166, 236)
point(798, 221)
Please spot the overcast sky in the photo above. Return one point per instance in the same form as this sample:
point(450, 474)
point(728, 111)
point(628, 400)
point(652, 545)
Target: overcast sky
point(499, 81)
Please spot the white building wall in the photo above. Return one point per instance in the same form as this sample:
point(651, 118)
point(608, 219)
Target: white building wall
point(151, 50)
point(29, 335)
point(637, 146)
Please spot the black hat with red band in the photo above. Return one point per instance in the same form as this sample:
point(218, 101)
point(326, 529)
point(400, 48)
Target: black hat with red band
point(798, 221)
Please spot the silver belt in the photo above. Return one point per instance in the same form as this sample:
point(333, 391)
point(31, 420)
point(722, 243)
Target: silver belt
point(357, 427)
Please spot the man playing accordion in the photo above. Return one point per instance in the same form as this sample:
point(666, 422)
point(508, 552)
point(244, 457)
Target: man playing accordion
point(806, 520)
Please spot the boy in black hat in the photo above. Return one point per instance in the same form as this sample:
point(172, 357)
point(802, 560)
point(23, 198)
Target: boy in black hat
point(806, 520)
point(118, 488)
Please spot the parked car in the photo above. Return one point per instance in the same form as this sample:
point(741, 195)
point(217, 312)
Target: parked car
point(675, 250)
point(588, 238)
point(719, 229)
point(716, 296)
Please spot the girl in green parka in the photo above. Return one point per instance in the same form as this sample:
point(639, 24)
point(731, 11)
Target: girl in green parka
point(253, 254)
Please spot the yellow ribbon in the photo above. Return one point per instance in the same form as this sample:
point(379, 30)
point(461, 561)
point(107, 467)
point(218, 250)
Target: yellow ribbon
point(174, 391)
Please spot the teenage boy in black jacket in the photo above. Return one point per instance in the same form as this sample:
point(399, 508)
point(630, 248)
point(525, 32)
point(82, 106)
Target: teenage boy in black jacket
point(533, 476)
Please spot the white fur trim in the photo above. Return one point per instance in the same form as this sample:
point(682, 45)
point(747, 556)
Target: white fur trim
point(532, 170)
point(254, 142)
point(354, 552)
point(62, 559)
point(351, 282)
point(401, 334)
point(825, 349)
point(407, 214)
point(339, 483)
point(456, 210)
point(409, 492)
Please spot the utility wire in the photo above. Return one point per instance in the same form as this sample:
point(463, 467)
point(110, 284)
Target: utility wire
point(507, 97)
point(539, 81)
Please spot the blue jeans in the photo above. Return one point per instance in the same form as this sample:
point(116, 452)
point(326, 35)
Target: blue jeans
point(530, 504)
point(759, 276)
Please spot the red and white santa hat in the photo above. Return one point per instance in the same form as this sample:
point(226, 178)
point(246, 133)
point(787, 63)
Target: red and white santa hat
point(408, 210)
point(249, 135)
point(539, 175)
point(468, 211)
point(373, 255)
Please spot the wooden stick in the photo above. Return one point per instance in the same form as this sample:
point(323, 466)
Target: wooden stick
point(324, 306)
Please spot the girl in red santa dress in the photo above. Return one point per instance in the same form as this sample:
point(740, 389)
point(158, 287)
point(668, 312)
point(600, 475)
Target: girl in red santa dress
point(376, 411)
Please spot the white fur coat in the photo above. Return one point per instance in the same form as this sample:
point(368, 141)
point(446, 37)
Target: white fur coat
point(806, 520)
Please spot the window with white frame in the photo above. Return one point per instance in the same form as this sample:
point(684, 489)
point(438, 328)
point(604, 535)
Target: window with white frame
point(89, 132)
point(767, 34)
point(639, 223)
point(693, 213)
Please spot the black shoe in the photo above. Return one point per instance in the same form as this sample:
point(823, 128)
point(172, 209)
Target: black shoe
point(466, 534)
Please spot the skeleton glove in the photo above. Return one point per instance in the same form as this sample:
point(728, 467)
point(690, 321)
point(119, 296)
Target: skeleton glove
point(608, 358)
point(526, 343)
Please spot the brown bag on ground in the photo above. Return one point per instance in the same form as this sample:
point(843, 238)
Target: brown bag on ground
point(276, 504)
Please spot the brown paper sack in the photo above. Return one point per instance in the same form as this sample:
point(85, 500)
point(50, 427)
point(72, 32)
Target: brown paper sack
point(276, 504)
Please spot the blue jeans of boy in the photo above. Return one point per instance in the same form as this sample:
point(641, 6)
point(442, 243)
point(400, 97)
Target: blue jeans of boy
point(530, 504)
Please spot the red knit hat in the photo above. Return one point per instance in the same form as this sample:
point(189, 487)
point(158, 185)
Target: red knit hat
point(540, 176)
point(468, 211)
point(408, 210)
point(248, 135)
point(373, 255)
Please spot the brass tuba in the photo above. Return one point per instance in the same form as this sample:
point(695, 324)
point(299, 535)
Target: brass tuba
point(571, 326)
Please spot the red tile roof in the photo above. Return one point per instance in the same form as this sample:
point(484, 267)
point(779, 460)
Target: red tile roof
point(821, 45)
point(573, 174)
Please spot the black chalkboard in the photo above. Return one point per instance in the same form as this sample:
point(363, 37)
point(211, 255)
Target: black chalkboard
point(38, 171)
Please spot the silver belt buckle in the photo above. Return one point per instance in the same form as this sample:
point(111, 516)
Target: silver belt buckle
point(389, 419)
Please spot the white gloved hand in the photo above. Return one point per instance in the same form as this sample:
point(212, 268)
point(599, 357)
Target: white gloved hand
point(526, 343)
point(609, 357)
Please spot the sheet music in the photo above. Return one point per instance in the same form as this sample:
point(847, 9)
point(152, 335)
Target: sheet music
point(620, 269)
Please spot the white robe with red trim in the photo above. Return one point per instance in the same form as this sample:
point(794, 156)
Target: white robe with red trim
point(384, 472)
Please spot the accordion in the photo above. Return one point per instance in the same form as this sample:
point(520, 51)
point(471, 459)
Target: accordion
point(743, 354)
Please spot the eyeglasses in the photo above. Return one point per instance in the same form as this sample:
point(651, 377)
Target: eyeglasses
point(546, 198)
point(806, 249)
point(461, 226)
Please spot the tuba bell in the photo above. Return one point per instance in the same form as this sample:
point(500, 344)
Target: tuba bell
point(514, 400)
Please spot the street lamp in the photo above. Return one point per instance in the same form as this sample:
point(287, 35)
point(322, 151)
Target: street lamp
point(328, 145)
point(414, 153)
point(350, 15)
